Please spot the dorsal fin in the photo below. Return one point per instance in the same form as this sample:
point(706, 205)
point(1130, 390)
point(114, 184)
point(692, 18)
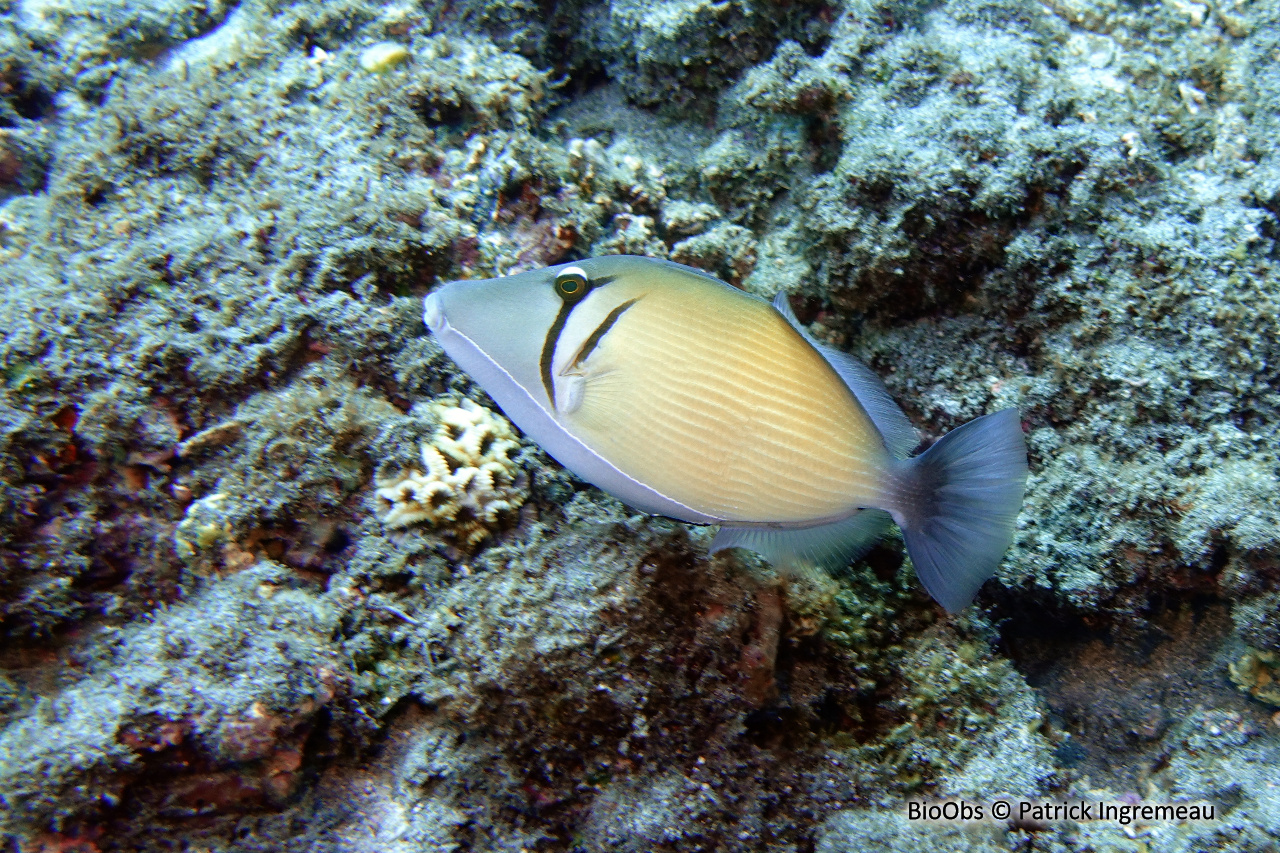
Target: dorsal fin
point(898, 433)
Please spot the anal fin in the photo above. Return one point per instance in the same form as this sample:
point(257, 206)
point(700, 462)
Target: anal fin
point(829, 546)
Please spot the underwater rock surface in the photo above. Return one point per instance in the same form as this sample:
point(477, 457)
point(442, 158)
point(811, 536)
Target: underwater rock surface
point(217, 223)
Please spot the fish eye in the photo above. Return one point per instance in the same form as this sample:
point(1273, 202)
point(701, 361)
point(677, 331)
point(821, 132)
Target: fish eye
point(572, 282)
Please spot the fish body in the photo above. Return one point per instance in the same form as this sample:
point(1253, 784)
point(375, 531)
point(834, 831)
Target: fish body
point(686, 397)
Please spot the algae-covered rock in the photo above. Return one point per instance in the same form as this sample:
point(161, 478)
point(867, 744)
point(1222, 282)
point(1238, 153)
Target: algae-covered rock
point(207, 706)
point(847, 831)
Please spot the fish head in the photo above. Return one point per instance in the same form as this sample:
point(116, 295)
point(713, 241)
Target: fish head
point(532, 328)
point(496, 325)
point(530, 339)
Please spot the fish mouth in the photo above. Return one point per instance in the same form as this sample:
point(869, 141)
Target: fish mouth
point(433, 311)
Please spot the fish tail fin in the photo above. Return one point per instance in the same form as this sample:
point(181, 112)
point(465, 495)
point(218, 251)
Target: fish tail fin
point(956, 504)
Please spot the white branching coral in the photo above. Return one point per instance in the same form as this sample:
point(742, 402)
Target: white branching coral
point(469, 485)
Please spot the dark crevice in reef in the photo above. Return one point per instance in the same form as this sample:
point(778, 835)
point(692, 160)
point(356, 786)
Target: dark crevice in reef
point(28, 100)
point(1120, 684)
point(955, 250)
point(583, 79)
point(822, 131)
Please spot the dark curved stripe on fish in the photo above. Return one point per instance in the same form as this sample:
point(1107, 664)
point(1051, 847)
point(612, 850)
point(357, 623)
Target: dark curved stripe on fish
point(549, 349)
point(602, 330)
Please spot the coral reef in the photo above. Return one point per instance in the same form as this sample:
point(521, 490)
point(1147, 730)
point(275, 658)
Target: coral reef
point(205, 708)
point(282, 477)
point(470, 484)
point(222, 625)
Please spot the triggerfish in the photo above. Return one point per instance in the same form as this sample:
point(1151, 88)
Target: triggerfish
point(686, 397)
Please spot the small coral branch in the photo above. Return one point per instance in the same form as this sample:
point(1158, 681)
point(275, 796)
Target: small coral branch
point(468, 485)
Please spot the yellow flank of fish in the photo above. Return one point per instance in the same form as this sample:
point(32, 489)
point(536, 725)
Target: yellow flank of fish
point(716, 402)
